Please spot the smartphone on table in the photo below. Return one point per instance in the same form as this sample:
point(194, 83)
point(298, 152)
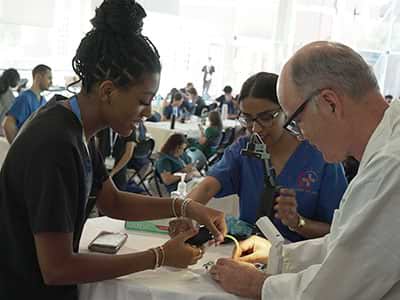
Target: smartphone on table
point(108, 242)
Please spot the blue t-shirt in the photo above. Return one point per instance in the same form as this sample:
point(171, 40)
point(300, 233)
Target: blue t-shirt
point(172, 164)
point(319, 186)
point(24, 105)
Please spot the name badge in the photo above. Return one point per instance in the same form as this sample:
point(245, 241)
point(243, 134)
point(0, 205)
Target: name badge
point(109, 162)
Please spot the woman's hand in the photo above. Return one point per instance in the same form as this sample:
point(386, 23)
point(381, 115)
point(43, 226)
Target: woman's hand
point(253, 250)
point(286, 208)
point(188, 168)
point(179, 254)
point(213, 219)
point(177, 226)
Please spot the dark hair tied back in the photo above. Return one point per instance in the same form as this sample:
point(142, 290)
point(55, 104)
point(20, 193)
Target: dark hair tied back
point(9, 78)
point(115, 48)
point(119, 17)
point(261, 85)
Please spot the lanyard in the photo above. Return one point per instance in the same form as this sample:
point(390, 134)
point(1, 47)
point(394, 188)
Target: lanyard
point(77, 111)
point(112, 141)
point(75, 107)
point(87, 162)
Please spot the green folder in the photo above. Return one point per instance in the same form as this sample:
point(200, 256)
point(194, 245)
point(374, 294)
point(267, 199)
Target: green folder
point(158, 226)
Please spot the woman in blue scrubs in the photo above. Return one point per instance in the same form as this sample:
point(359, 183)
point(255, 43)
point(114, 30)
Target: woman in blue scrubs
point(312, 188)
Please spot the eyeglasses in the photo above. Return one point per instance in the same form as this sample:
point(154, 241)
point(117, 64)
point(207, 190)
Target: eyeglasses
point(264, 119)
point(291, 124)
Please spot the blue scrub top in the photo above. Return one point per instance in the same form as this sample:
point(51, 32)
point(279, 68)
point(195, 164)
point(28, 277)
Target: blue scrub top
point(319, 185)
point(24, 105)
point(172, 164)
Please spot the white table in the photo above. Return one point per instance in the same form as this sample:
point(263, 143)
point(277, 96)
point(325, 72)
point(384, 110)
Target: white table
point(164, 283)
point(160, 131)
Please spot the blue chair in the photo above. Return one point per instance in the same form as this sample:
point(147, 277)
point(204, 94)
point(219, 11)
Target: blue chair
point(141, 158)
point(227, 138)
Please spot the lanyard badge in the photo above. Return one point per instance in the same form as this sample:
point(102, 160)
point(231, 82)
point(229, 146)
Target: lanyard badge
point(110, 160)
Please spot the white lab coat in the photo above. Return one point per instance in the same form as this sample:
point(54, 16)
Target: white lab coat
point(360, 258)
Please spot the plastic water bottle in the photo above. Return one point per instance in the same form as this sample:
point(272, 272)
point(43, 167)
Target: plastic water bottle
point(156, 105)
point(224, 111)
point(172, 122)
point(174, 116)
point(175, 111)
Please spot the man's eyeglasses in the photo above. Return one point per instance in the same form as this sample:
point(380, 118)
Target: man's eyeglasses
point(264, 119)
point(291, 124)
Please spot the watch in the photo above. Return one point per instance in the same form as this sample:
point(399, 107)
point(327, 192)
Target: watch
point(300, 224)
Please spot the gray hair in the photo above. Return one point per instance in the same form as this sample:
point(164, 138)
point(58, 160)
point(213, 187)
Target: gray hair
point(333, 65)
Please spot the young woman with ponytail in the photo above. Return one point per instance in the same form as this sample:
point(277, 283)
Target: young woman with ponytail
point(49, 171)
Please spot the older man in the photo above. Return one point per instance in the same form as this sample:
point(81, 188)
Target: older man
point(332, 98)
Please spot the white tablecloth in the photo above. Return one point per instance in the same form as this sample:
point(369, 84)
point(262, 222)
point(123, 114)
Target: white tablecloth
point(164, 283)
point(160, 131)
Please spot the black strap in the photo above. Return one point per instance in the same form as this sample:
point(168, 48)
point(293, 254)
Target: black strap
point(267, 201)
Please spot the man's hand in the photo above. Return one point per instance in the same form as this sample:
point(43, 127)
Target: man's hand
point(253, 250)
point(286, 208)
point(240, 278)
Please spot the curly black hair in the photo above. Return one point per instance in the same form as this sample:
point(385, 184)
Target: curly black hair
point(9, 78)
point(115, 48)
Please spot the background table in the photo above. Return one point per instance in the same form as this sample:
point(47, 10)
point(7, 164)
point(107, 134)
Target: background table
point(160, 131)
point(164, 283)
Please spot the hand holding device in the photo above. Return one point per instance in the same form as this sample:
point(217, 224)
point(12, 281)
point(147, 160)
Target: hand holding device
point(202, 237)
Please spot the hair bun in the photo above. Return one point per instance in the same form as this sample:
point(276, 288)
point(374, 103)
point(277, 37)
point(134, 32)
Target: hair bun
point(119, 17)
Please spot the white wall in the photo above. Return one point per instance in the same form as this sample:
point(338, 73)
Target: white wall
point(242, 36)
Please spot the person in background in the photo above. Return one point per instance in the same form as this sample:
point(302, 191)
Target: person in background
point(138, 163)
point(311, 187)
point(154, 117)
point(197, 102)
point(185, 90)
point(210, 137)
point(208, 72)
point(227, 98)
point(51, 168)
point(22, 86)
point(117, 152)
point(172, 160)
point(332, 98)
point(8, 80)
point(27, 102)
point(170, 95)
point(175, 103)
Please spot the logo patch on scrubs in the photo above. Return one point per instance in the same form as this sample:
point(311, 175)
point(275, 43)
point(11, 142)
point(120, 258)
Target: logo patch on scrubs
point(305, 180)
